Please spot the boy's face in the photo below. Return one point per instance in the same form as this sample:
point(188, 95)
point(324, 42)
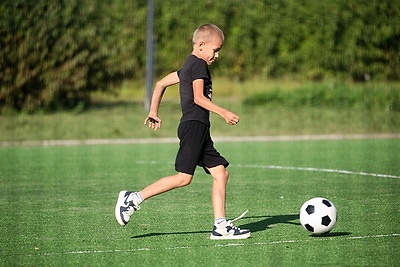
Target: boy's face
point(210, 49)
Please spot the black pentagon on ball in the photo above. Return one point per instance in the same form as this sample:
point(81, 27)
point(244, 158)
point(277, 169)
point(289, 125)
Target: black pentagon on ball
point(309, 228)
point(326, 220)
point(327, 203)
point(310, 209)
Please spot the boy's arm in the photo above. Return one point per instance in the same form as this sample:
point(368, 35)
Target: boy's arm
point(153, 119)
point(198, 85)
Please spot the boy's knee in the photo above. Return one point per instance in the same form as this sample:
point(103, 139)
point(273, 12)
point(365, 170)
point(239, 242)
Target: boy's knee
point(225, 174)
point(221, 174)
point(185, 179)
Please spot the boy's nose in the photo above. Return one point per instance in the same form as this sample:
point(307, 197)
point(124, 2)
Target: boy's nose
point(216, 55)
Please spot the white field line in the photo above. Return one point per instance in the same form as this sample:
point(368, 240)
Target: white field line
point(217, 139)
point(317, 170)
point(294, 168)
point(217, 245)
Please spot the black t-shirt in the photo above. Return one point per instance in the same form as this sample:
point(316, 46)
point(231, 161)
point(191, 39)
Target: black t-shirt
point(193, 69)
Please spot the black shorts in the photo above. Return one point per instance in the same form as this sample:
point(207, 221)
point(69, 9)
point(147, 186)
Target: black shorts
point(196, 148)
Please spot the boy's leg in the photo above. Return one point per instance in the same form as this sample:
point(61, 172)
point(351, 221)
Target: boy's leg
point(223, 229)
point(218, 195)
point(128, 202)
point(167, 183)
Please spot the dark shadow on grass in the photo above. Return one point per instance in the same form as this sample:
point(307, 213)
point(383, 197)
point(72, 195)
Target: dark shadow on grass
point(257, 226)
point(332, 234)
point(269, 220)
point(174, 233)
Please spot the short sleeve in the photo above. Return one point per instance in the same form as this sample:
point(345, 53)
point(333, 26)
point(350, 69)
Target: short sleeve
point(199, 70)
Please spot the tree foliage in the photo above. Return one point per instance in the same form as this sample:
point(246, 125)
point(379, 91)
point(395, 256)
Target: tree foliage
point(54, 53)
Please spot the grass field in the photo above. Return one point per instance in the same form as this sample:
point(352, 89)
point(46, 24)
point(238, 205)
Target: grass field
point(57, 205)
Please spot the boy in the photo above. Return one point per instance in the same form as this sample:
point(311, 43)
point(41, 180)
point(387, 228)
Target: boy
point(196, 146)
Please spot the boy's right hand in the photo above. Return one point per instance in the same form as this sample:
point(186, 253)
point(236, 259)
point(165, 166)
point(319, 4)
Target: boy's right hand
point(231, 118)
point(154, 122)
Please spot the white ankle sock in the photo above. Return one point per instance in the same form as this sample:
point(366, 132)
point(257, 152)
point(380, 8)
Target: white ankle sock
point(219, 220)
point(137, 196)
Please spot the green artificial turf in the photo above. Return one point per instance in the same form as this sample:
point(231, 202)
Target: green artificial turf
point(57, 205)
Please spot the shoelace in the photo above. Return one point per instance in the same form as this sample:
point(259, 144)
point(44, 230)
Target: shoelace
point(230, 222)
point(131, 209)
point(241, 216)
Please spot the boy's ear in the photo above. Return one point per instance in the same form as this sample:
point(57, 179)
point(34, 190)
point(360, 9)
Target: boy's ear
point(201, 44)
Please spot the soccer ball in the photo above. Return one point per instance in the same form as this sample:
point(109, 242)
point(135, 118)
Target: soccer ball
point(318, 215)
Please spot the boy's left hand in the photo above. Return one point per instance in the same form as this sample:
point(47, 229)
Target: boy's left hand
point(154, 122)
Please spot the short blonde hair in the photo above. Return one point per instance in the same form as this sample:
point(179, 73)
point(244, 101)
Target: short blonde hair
point(206, 32)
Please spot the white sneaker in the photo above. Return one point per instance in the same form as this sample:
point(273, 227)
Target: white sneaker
point(226, 230)
point(125, 207)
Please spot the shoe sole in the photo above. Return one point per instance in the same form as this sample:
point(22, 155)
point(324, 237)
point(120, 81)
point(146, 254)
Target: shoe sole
point(120, 202)
point(227, 237)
